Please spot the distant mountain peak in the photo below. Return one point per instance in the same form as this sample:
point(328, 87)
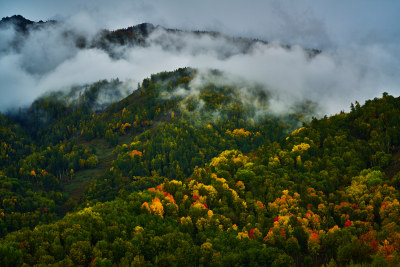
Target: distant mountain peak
point(16, 18)
point(19, 22)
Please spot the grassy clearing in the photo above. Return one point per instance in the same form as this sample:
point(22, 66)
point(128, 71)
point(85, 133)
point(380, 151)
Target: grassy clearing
point(80, 181)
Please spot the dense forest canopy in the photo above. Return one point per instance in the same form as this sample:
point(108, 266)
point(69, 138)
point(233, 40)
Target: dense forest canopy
point(172, 175)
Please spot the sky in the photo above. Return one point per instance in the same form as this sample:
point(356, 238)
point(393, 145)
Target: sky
point(360, 43)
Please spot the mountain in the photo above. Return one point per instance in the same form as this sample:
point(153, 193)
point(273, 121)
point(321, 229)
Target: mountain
point(23, 25)
point(19, 22)
point(157, 178)
point(192, 168)
point(132, 36)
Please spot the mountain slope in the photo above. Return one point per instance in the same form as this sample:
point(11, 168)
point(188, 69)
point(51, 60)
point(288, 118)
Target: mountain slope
point(65, 143)
point(319, 195)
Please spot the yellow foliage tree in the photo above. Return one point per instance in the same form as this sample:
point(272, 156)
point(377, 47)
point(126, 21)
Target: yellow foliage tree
point(156, 207)
point(300, 148)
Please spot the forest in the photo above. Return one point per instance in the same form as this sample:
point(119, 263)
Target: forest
point(176, 176)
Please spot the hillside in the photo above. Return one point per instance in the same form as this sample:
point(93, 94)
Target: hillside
point(209, 175)
point(51, 151)
point(153, 146)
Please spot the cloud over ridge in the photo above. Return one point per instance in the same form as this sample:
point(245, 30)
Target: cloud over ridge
point(49, 59)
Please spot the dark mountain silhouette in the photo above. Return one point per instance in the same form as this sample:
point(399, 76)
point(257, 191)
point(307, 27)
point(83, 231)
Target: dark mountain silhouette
point(132, 36)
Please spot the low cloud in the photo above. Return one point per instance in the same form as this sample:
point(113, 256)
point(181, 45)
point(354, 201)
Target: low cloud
point(49, 60)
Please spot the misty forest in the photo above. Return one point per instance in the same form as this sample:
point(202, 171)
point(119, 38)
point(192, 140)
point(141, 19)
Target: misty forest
point(215, 157)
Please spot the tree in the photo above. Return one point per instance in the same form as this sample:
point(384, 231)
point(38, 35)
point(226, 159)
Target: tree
point(92, 161)
point(10, 254)
point(283, 260)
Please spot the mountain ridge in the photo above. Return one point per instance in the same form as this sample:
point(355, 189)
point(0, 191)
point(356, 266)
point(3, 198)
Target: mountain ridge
point(134, 35)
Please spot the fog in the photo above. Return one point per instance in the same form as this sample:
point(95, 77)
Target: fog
point(47, 61)
point(310, 23)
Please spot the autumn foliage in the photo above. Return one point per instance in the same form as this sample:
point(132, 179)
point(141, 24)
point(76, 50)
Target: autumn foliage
point(177, 180)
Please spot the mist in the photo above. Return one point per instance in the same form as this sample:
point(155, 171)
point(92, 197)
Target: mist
point(47, 61)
